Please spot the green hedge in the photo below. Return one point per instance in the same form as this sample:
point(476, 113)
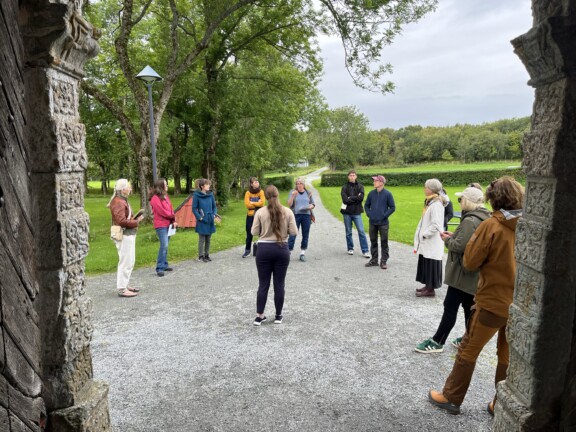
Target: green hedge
point(452, 178)
point(281, 182)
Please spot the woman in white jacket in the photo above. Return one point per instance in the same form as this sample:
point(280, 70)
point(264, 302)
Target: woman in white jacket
point(427, 241)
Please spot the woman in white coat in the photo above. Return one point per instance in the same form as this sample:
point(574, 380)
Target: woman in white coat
point(427, 241)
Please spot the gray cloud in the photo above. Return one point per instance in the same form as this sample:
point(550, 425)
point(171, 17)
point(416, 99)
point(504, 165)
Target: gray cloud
point(455, 66)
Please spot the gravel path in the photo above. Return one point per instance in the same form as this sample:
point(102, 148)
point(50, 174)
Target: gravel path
point(184, 355)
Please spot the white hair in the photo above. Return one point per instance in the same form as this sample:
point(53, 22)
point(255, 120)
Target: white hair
point(118, 187)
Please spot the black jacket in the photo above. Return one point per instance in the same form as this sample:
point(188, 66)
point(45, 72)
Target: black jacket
point(352, 196)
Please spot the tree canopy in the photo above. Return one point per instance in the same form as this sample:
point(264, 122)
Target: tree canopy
point(245, 69)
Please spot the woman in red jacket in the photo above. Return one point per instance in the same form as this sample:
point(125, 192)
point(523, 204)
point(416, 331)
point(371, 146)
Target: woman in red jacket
point(163, 218)
point(490, 250)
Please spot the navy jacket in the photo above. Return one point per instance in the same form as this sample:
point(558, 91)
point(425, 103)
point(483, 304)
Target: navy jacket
point(379, 206)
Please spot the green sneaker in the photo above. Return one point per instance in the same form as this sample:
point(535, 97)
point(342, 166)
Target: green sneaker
point(429, 346)
point(456, 342)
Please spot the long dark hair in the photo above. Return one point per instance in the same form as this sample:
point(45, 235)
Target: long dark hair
point(275, 210)
point(158, 189)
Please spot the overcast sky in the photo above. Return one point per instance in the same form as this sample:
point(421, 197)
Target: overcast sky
point(454, 66)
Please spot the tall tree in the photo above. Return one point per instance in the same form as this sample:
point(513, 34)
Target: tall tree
point(340, 136)
point(176, 36)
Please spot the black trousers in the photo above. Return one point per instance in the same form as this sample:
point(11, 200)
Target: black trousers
point(272, 260)
point(249, 236)
point(452, 302)
point(373, 231)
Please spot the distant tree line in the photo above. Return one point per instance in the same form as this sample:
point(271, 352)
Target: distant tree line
point(341, 138)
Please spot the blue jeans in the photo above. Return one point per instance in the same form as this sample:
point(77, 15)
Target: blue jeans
point(357, 219)
point(304, 221)
point(162, 260)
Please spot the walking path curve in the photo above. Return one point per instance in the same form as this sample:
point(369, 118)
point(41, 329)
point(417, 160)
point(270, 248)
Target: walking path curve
point(184, 355)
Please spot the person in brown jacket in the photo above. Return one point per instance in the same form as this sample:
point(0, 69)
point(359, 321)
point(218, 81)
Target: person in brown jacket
point(490, 250)
point(122, 215)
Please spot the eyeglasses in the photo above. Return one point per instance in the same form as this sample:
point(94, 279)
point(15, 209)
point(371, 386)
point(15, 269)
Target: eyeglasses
point(299, 183)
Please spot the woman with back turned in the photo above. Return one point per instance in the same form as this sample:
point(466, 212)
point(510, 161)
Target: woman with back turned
point(273, 224)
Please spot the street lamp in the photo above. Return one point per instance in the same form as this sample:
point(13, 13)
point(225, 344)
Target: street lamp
point(149, 76)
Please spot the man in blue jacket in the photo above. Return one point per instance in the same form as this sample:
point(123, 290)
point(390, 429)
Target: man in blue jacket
point(379, 206)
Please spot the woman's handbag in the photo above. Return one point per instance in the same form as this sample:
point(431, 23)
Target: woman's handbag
point(116, 232)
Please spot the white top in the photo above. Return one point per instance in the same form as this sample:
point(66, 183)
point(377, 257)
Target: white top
point(427, 240)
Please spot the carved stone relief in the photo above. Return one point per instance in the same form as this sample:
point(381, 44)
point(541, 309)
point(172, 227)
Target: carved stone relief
point(70, 190)
point(75, 228)
point(530, 244)
point(539, 148)
point(540, 201)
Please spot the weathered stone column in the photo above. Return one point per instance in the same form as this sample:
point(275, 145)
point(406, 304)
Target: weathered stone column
point(58, 41)
point(540, 392)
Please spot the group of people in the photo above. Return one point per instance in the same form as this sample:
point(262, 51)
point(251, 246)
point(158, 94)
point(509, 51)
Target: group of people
point(480, 268)
point(203, 207)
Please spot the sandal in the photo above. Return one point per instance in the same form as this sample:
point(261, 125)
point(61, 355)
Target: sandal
point(127, 293)
point(133, 289)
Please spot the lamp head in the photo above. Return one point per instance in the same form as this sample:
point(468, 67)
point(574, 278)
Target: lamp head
point(148, 75)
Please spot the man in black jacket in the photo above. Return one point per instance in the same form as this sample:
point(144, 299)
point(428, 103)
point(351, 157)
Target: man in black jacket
point(352, 197)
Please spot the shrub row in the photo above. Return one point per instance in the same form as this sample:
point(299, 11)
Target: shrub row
point(451, 178)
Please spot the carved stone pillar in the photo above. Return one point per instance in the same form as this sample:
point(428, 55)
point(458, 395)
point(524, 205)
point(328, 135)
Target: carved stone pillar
point(540, 392)
point(58, 41)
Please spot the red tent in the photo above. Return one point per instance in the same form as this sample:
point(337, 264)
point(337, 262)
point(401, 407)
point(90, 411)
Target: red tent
point(184, 216)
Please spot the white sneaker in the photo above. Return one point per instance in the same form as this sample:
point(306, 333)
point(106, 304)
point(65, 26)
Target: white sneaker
point(351, 252)
point(366, 255)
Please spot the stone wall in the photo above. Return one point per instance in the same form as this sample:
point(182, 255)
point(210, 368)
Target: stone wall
point(540, 392)
point(46, 381)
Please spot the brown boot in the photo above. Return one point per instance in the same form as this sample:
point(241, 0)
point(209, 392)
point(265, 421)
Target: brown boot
point(490, 408)
point(438, 399)
point(426, 293)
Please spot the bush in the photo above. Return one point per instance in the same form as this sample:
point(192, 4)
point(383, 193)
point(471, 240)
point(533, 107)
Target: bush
point(281, 182)
point(451, 178)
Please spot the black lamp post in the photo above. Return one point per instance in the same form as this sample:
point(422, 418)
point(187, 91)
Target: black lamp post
point(149, 76)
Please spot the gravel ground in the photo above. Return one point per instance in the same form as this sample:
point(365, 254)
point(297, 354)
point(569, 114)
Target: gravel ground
point(184, 355)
